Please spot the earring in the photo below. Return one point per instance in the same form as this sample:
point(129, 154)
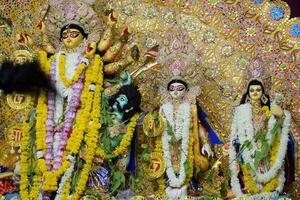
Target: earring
point(127, 110)
point(264, 99)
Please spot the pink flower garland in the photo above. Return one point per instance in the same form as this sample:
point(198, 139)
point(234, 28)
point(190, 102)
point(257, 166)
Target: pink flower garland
point(71, 110)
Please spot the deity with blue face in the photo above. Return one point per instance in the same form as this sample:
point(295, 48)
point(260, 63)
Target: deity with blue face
point(125, 104)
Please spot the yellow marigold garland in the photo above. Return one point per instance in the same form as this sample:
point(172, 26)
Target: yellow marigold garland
point(251, 185)
point(25, 191)
point(41, 116)
point(66, 190)
point(41, 111)
point(45, 62)
point(37, 180)
point(93, 74)
point(83, 114)
point(62, 71)
point(24, 158)
point(91, 138)
point(161, 186)
point(125, 141)
point(275, 150)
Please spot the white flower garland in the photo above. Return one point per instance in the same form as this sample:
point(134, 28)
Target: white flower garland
point(71, 65)
point(242, 128)
point(182, 115)
point(272, 172)
point(72, 60)
point(65, 178)
point(57, 138)
point(176, 193)
point(59, 108)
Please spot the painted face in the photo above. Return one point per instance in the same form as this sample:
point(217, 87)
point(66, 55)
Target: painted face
point(22, 56)
point(121, 101)
point(177, 90)
point(255, 92)
point(72, 38)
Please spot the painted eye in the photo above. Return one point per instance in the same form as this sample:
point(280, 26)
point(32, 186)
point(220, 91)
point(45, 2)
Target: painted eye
point(181, 88)
point(74, 34)
point(65, 35)
point(251, 90)
point(258, 90)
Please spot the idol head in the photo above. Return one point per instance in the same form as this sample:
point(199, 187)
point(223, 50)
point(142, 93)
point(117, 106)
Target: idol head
point(72, 36)
point(256, 93)
point(125, 103)
point(22, 56)
point(177, 88)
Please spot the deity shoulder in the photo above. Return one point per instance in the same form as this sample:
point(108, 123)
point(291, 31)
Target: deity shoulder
point(242, 108)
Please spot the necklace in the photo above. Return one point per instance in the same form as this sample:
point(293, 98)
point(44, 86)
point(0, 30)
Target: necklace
point(258, 116)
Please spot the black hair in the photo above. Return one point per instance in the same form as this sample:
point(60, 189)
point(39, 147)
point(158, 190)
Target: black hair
point(177, 81)
point(24, 77)
point(73, 26)
point(256, 82)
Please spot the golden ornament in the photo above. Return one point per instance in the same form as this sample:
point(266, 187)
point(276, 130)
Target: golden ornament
point(153, 126)
point(18, 101)
point(157, 166)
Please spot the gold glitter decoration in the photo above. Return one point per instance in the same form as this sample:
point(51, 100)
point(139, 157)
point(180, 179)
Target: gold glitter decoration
point(18, 101)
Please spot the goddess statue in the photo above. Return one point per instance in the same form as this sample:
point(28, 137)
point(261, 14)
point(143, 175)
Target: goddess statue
point(176, 127)
point(68, 113)
point(259, 140)
point(181, 118)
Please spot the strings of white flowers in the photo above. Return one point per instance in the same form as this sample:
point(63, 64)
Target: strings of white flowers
point(242, 128)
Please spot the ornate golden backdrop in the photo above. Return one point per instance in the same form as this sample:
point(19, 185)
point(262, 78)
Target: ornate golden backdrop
point(228, 34)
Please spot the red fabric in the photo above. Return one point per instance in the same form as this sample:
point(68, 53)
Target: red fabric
point(7, 186)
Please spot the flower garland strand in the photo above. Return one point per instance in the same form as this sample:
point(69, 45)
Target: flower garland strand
point(62, 71)
point(24, 159)
point(95, 76)
point(274, 180)
point(125, 141)
point(263, 178)
point(91, 138)
point(167, 110)
point(77, 135)
point(25, 192)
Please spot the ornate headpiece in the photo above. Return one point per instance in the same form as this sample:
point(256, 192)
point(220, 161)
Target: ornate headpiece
point(179, 60)
point(258, 69)
point(178, 57)
point(78, 12)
